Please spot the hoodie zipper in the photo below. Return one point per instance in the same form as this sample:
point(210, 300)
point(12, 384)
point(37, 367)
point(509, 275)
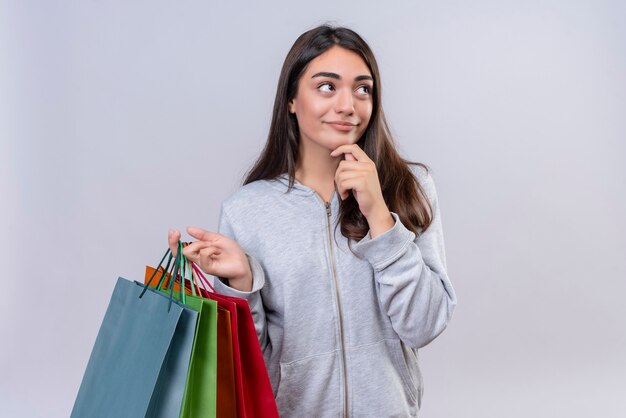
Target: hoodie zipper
point(343, 351)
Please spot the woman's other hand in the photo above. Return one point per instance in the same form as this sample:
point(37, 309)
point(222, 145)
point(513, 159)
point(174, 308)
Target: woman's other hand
point(357, 173)
point(216, 255)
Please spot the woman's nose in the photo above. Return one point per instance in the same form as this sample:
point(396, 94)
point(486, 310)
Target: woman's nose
point(345, 102)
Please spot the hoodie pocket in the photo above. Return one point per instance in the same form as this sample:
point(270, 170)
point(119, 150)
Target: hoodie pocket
point(407, 363)
point(310, 387)
point(380, 382)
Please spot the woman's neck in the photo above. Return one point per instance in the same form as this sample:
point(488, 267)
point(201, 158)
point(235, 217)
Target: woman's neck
point(316, 169)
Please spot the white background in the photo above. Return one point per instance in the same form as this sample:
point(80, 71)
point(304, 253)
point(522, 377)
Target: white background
point(121, 119)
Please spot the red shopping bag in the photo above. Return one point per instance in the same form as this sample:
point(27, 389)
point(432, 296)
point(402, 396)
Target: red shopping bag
point(226, 392)
point(255, 398)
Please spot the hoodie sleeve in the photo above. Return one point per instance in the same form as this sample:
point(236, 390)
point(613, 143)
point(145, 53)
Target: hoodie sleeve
point(414, 288)
point(258, 281)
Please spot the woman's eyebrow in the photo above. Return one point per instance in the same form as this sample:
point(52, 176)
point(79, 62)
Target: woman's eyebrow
point(338, 77)
point(327, 74)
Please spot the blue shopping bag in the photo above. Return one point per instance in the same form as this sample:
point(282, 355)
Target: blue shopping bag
point(139, 363)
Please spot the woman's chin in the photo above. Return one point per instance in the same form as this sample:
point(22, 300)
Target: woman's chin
point(344, 140)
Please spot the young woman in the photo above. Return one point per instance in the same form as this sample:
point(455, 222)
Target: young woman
point(335, 241)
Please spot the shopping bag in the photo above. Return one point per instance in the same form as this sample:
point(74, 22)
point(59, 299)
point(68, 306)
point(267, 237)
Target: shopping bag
point(226, 392)
point(170, 390)
point(230, 307)
point(255, 398)
point(210, 389)
point(143, 346)
point(199, 399)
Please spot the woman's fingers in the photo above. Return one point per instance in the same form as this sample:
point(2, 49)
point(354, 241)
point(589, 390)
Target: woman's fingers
point(202, 235)
point(348, 181)
point(214, 253)
point(192, 250)
point(207, 253)
point(346, 166)
point(173, 236)
point(356, 151)
point(345, 186)
point(347, 175)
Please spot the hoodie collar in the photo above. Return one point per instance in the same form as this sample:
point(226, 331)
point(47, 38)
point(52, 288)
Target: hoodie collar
point(282, 182)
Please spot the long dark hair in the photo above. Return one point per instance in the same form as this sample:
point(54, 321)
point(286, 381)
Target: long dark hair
point(401, 190)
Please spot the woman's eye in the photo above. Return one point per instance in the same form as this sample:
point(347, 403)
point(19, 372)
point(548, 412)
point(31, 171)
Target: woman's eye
point(364, 89)
point(326, 87)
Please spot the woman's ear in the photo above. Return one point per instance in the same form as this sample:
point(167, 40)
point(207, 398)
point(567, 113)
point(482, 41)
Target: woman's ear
point(292, 106)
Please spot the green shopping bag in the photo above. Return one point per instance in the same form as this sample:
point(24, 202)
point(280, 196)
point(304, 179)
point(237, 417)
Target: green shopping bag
point(200, 396)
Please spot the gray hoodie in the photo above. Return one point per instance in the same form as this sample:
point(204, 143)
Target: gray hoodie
point(339, 333)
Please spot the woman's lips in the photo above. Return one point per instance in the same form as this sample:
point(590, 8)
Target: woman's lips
point(342, 126)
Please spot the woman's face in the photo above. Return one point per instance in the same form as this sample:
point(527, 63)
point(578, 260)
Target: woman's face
point(333, 103)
